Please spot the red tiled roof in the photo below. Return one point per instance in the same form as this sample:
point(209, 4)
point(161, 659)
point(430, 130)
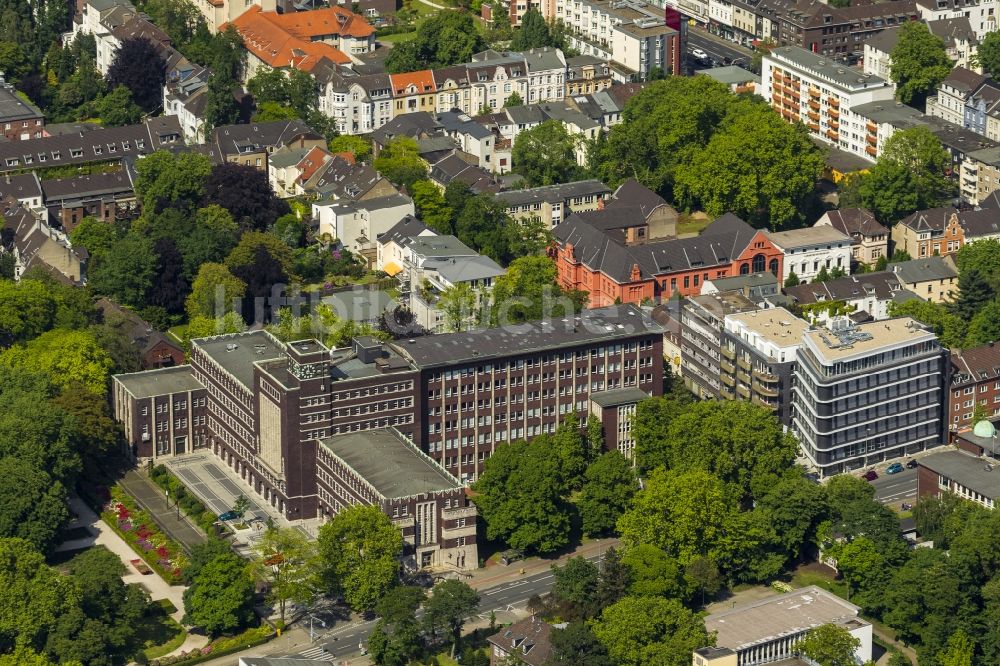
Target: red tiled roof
point(311, 163)
point(422, 80)
point(320, 22)
point(278, 47)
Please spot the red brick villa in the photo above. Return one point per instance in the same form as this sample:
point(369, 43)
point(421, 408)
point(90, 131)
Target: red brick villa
point(608, 264)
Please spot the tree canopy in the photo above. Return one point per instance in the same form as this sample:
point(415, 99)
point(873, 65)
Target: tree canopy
point(360, 548)
point(443, 39)
point(919, 63)
point(138, 66)
point(546, 154)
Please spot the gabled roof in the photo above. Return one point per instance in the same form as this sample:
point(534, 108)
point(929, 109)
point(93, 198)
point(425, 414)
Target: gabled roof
point(21, 186)
point(934, 219)
point(856, 222)
point(112, 182)
point(883, 285)
point(975, 364)
point(923, 270)
point(633, 193)
point(964, 79)
point(466, 269)
point(315, 159)
point(408, 227)
point(275, 44)
point(530, 640)
point(258, 137)
point(416, 83)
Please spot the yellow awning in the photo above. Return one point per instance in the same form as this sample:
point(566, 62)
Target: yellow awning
point(392, 268)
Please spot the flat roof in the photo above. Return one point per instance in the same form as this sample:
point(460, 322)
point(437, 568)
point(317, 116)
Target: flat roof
point(775, 617)
point(615, 322)
point(238, 352)
point(967, 469)
point(865, 339)
point(826, 68)
point(776, 325)
point(390, 464)
point(161, 381)
point(730, 74)
point(808, 236)
point(616, 397)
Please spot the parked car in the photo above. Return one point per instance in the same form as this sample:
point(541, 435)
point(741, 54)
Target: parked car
point(894, 468)
point(229, 515)
point(870, 475)
point(912, 464)
point(699, 54)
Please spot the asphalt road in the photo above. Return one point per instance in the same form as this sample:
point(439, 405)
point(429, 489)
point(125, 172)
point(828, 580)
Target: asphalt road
point(895, 488)
point(716, 51)
point(344, 640)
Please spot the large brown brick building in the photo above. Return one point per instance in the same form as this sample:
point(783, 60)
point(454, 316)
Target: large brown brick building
point(276, 413)
point(974, 379)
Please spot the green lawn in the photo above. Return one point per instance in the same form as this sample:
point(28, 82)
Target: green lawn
point(158, 633)
point(804, 577)
point(687, 224)
point(177, 332)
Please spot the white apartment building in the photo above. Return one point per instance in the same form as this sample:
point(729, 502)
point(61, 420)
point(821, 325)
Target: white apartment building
point(358, 105)
point(630, 33)
point(808, 251)
point(981, 13)
point(359, 224)
point(821, 93)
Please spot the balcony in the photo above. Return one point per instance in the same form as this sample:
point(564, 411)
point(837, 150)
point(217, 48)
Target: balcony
point(728, 380)
point(813, 116)
point(726, 366)
point(769, 391)
point(814, 105)
point(743, 363)
point(813, 126)
point(871, 150)
point(727, 393)
point(765, 377)
point(814, 92)
point(834, 113)
point(871, 139)
point(761, 402)
point(871, 127)
point(729, 353)
point(742, 376)
point(834, 124)
point(457, 532)
point(833, 102)
point(833, 135)
point(743, 391)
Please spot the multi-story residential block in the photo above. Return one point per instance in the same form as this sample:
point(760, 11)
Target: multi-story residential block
point(303, 40)
point(610, 268)
point(823, 94)
point(252, 144)
point(163, 411)
point(869, 239)
point(586, 74)
point(357, 225)
point(973, 386)
point(866, 393)
point(385, 469)
point(702, 319)
point(552, 203)
point(758, 287)
point(19, 118)
point(633, 35)
point(112, 144)
point(25, 188)
point(980, 13)
point(108, 196)
point(439, 274)
point(289, 169)
point(932, 278)
point(869, 293)
point(953, 93)
point(767, 631)
point(758, 358)
point(961, 45)
point(925, 233)
point(811, 250)
point(220, 12)
point(33, 243)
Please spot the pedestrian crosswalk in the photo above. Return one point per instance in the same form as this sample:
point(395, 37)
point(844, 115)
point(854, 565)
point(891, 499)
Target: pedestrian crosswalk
point(314, 653)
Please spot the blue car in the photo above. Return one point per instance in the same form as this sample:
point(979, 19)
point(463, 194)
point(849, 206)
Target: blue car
point(894, 468)
point(229, 515)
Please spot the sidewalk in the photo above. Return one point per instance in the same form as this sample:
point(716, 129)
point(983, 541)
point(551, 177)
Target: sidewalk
point(494, 573)
point(736, 46)
point(149, 496)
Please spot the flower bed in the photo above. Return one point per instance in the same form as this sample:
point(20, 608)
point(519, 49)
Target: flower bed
point(139, 531)
point(220, 647)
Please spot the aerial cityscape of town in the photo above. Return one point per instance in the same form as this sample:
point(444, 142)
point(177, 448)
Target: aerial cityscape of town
point(499, 332)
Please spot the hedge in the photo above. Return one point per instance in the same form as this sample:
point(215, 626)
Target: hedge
point(220, 647)
point(191, 505)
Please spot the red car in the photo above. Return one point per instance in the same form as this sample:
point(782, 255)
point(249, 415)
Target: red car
point(870, 475)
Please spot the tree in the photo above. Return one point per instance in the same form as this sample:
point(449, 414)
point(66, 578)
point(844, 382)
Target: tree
point(974, 292)
point(360, 548)
point(32, 504)
point(202, 554)
point(220, 598)
point(290, 564)
point(358, 146)
point(792, 280)
point(245, 192)
point(989, 53)
point(400, 162)
point(528, 292)
point(513, 100)
point(575, 588)
point(533, 32)
point(270, 111)
point(650, 428)
point(985, 325)
point(104, 597)
point(756, 166)
point(919, 63)
point(171, 286)
point(484, 225)
point(395, 639)
point(614, 581)
point(214, 292)
point(213, 236)
point(65, 357)
point(983, 256)
point(169, 180)
point(138, 65)
point(960, 651)
point(576, 645)
point(458, 303)
point(650, 630)
point(117, 108)
point(608, 489)
point(33, 596)
point(431, 207)
point(546, 154)
point(822, 276)
point(443, 39)
point(702, 577)
point(521, 499)
point(221, 107)
point(652, 573)
point(829, 645)
point(450, 603)
point(795, 506)
point(96, 236)
point(126, 272)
